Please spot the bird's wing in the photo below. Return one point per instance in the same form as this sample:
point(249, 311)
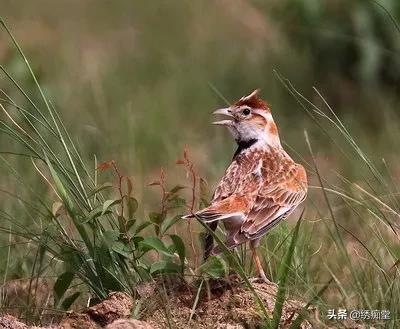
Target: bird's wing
point(233, 206)
point(239, 178)
point(237, 190)
point(281, 192)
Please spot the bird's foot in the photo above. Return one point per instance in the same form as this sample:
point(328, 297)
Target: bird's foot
point(262, 279)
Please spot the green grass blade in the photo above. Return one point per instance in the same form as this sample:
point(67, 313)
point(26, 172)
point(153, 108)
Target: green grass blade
point(238, 267)
point(282, 277)
point(69, 205)
point(303, 312)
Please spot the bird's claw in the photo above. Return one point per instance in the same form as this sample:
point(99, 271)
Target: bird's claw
point(262, 279)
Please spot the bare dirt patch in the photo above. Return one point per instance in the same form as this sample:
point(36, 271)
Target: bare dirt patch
point(222, 304)
point(176, 304)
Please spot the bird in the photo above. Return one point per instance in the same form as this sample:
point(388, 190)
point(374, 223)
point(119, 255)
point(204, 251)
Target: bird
point(262, 186)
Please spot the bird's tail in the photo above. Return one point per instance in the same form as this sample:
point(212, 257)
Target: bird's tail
point(212, 223)
point(209, 240)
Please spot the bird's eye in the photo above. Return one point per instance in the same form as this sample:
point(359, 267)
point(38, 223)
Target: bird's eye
point(246, 111)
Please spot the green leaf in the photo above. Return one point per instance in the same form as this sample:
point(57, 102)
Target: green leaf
point(107, 204)
point(69, 255)
point(99, 188)
point(180, 249)
point(166, 224)
point(95, 213)
point(136, 240)
point(129, 185)
point(176, 189)
point(153, 243)
point(132, 206)
point(215, 267)
point(130, 224)
point(163, 266)
point(109, 280)
point(176, 202)
point(110, 237)
point(68, 301)
point(155, 218)
point(121, 224)
point(141, 227)
point(120, 248)
point(60, 187)
point(61, 286)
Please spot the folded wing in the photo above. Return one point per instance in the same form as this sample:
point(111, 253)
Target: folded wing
point(235, 194)
point(280, 194)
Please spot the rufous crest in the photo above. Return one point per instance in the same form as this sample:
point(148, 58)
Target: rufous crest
point(254, 101)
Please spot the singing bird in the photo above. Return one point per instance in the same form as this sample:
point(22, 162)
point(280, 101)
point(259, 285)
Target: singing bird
point(261, 186)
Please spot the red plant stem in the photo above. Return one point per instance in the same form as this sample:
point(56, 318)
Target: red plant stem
point(190, 231)
point(193, 188)
point(164, 196)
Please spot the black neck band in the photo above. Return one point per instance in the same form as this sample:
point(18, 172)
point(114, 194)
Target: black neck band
point(242, 145)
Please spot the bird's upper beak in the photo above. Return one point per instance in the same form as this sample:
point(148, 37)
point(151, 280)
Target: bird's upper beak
point(227, 112)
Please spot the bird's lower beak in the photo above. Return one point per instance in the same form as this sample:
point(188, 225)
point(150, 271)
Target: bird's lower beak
point(226, 112)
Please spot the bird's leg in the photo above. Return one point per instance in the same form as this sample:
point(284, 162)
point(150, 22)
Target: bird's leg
point(259, 268)
point(257, 261)
point(209, 241)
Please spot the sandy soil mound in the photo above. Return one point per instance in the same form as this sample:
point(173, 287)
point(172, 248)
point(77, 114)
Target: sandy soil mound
point(173, 303)
point(222, 304)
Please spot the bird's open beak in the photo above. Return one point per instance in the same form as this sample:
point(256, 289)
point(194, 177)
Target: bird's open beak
point(226, 112)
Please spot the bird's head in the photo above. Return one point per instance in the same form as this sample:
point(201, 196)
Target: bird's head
point(250, 119)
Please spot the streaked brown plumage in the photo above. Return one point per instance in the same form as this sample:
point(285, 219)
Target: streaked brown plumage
point(262, 185)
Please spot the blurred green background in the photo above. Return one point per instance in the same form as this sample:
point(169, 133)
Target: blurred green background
point(135, 81)
point(132, 79)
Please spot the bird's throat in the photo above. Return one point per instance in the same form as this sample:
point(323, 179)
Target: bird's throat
point(243, 145)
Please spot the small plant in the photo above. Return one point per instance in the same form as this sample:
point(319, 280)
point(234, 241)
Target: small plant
point(91, 234)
